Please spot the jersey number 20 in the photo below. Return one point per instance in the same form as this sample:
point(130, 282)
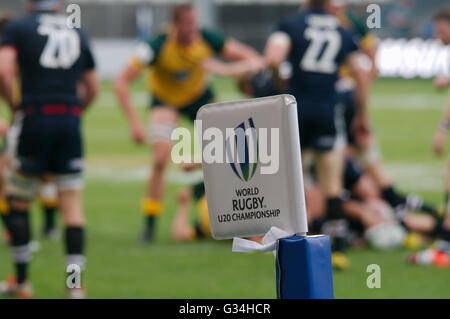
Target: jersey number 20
point(326, 40)
point(62, 48)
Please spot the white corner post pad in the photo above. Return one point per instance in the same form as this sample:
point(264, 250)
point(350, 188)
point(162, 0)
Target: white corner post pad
point(256, 186)
point(269, 242)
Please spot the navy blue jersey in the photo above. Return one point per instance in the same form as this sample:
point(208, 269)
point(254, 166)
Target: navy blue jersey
point(51, 57)
point(319, 45)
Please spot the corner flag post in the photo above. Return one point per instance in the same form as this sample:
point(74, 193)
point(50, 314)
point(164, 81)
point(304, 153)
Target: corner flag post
point(246, 198)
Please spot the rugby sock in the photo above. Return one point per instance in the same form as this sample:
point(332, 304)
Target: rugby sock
point(74, 240)
point(440, 231)
point(411, 202)
point(19, 224)
point(49, 218)
point(316, 226)
point(152, 209)
point(334, 208)
point(4, 213)
point(429, 209)
point(390, 195)
point(336, 229)
point(335, 226)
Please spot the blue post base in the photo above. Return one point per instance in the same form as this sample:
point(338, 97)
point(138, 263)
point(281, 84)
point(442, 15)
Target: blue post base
point(303, 268)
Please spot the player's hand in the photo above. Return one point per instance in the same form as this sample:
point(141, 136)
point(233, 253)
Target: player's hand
point(138, 132)
point(361, 130)
point(438, 141)
point(441, 82)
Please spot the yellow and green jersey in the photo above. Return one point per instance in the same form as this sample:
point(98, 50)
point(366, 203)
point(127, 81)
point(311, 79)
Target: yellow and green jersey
point(367, 40)
point(177, 77)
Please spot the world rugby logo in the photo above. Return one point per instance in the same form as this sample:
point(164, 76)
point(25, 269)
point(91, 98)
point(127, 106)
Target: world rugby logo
point(242, 150)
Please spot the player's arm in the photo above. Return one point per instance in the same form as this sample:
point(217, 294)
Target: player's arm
point(362, 84)
point(145, 55)
point(441, 82)
point(442, 130)
point(369, 46)
point(235, 50)
point(8, 73)
point(122, 89)
point(241, 58)
point(237, 69)
point(277, 49)
point(88, 87)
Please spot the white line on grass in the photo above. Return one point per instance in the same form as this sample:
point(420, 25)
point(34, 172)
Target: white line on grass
point(136, 174)
point(377, 101)
point(408, 176)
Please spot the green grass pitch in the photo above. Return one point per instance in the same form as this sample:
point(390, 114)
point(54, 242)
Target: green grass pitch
point(405, 114)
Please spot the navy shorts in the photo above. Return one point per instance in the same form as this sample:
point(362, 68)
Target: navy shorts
point(41, 143)
point(264, 85)
point(319, 125)
point(352, 174)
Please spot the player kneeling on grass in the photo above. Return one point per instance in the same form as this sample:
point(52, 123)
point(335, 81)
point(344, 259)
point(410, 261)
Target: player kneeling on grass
point(45, 138)
point(182, 229)
point(179, 84)
point(440, 254)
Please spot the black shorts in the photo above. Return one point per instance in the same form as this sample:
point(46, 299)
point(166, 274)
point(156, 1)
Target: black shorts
point(263, 85)
point(352, 174)
point(190, 110)
point(41, 143)
point(321, 128)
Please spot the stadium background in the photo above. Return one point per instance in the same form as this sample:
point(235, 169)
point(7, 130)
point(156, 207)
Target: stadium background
point(404, 111)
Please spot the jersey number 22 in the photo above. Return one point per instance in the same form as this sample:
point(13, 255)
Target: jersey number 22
point(326, 40)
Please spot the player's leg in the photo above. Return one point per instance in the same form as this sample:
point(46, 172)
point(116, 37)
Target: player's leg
point(65, 166)
point(329, 170)
point(329, 144)
point(181, 229)
point(20, 190)
point(19, 226)
point(329, 167)
point(440, 254)
point(70, 199)
point(370, 159)
point(162, 122)
point(442, 227)
point(4, 207)
point(315, 206)
point(314, 199)
point(48, 200)
point(202, 226)
point(27, 153)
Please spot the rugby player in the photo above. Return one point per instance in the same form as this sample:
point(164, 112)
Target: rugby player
point(439, 255)
point(179, 84)
point(47, 195)
point(300, 39)
point(51, 61)
point(4, 211)
point(363, 148)
point(182, 229)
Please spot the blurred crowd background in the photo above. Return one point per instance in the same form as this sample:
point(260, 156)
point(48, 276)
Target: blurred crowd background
point(115, 25)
